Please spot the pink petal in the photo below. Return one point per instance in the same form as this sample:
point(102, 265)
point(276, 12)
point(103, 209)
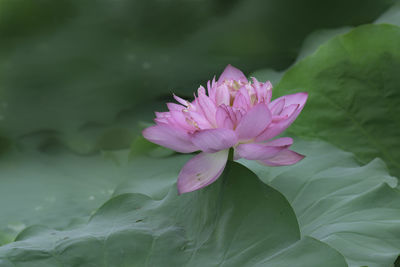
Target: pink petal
point(292, 110)
point(235, 115)
point(294, 99)
point(232, 73)
point(254, 122)
point(242, 99)
point(207, 107)
point(211, 88)
point(181, 100)
point(176, 107)
point(289, 110)
point(162, 114)
point(277, 106)
point(179, 120)
point(263, 90)
point(284, 158)
point(223, 118)
point(256, 85)
point(201, 90)
point(298, 99)
point(276, 127)
point(170, 137)
point(213, 140)
point(199, 118)
point(285, 113)
point(163, 121)
point(283, 141)
point(222, 95)
point(201, 171)
point(162, 117)
point(262, 151)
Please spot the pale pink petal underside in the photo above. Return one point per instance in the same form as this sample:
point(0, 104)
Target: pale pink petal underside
point(262, 151)
point(283, 141)
point(213, 140)
point(201, 171)
point(170, 137)
point(284, 158)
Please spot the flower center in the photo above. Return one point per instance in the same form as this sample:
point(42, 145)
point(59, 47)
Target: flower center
point(235, 87)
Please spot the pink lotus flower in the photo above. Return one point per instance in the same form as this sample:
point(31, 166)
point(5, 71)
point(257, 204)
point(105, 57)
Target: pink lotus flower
point(237, 114)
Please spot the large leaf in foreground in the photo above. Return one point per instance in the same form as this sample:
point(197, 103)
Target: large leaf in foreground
point(238, 221)
point(56, 189)
point(350, 207)
point(52, 189)
point(353, 86)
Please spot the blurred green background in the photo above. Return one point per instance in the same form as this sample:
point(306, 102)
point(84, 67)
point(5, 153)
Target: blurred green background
point(80, 73)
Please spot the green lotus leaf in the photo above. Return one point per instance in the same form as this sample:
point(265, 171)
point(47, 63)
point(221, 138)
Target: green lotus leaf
point(355, 209)
point(353, 83)
point(61, 188)
point(237, 221)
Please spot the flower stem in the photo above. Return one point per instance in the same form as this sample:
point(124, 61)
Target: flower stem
point(230, 155)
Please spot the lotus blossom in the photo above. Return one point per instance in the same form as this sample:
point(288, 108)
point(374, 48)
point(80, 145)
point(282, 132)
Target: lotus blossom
point(232, 113)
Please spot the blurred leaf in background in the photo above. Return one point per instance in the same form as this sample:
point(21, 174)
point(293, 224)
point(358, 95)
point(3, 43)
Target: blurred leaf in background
point(354, 84)
point(77, 68)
